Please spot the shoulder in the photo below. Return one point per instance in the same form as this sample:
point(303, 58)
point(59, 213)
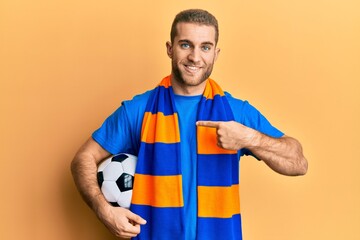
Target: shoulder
point(243, 111)
point(138, 100)
point(130, 109)
point(232, 99)
point(247, 114)
point(236, 104)
point(137, 104)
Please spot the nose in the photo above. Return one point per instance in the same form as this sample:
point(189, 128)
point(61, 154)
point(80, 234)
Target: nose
point(194, 55)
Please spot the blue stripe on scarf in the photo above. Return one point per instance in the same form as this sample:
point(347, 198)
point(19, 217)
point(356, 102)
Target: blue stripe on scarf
point(161, 103)
point(219, 170)
point(214, 228)
point(217, 109)
point(161, 160)
point(160, 223)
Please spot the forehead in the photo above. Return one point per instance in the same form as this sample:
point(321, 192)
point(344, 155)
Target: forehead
point(196, 33)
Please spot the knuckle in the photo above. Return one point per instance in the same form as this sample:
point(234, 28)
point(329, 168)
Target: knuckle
point(137, 230)
point(123, 229)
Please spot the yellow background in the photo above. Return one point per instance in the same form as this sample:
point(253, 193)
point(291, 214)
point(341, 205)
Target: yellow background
point(66, 65)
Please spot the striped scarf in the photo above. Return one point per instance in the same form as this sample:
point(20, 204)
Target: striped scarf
point(157, 194)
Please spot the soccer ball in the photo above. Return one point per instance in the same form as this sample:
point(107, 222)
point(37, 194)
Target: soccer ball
point(116, 178)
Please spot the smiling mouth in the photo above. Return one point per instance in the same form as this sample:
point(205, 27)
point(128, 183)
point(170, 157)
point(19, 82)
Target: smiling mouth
point(192, 69)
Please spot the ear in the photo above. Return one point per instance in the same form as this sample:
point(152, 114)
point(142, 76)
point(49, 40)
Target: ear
point(217, 52)
point(169, 49)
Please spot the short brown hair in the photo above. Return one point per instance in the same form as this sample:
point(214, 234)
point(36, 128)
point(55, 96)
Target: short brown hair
point(198, 16)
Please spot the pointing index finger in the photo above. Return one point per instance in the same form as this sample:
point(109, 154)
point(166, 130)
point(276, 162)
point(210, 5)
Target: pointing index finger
point(211, 124)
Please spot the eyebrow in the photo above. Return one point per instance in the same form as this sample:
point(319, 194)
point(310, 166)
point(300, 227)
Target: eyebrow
point(203, 43)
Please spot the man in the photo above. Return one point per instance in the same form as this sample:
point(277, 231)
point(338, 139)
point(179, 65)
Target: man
point(188, 135)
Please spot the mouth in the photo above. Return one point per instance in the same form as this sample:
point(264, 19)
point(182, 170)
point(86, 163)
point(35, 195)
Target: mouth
point(192, 68)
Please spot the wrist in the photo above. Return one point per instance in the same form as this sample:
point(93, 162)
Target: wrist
point(100, 205)
point(254, 139)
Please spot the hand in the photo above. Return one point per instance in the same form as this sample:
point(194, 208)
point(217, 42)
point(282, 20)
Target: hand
point(121, 222)
point(231, 135)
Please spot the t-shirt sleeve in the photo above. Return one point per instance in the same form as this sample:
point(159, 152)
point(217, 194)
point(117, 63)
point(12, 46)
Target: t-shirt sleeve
point(113, 132)
point(254, 119)
point(120, 132)
point(249, 116)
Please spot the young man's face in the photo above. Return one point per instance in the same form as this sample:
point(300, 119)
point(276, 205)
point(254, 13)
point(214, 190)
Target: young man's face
point(192, 54)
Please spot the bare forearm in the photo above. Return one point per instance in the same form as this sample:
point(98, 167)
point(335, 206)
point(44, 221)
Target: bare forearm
point(84, 171)
point(284, 155)
point(84, 174)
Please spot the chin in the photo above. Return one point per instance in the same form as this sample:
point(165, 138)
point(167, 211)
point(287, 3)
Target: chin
point(193, 81)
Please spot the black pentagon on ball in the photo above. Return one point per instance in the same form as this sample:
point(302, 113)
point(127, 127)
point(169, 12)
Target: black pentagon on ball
point(100, 178)
point(119, 158)
point(114, 204)
point(125, 182)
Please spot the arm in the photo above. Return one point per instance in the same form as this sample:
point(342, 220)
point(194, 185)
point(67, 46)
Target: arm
point(120, 221)
point(284, 155)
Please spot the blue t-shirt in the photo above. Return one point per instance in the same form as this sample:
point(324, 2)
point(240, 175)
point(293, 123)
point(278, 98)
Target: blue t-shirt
point(121, 132)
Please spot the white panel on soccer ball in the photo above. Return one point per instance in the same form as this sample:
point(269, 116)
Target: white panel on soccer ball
point(103, 165)
point(129, 165)
point(124, 199)
point(113, 171)
point(110, 190)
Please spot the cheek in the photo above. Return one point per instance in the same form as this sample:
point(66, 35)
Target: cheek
point(210, 60)
point(179, 55)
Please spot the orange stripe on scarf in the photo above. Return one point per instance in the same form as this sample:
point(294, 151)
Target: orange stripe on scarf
point(166, 128)
point(207, 142)
point(158, 191)
point(219, 202)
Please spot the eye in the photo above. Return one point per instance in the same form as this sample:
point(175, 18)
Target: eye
point(185, 45)
point(206, 48)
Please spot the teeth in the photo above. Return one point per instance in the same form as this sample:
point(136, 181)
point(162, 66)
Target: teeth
point(193, 67)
